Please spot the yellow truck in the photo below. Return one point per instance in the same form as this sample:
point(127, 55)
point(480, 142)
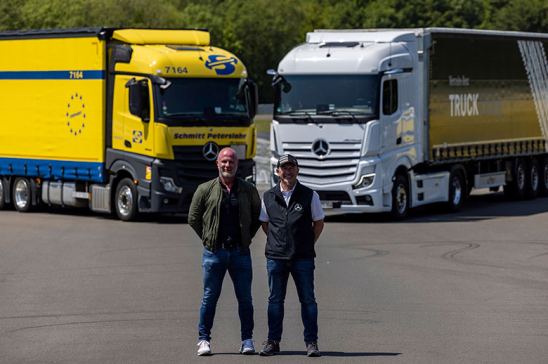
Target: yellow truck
point(118, 120)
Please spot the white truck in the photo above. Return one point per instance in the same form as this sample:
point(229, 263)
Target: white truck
point(387, 120)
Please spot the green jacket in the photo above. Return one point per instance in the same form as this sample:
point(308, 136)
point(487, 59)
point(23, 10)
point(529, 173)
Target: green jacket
point(205, 211)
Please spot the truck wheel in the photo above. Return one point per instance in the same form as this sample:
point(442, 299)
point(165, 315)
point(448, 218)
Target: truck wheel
point(22, 195)
point(400, 197)
point(457, 190)
point(543, 170)
point(516, 188)
point(125, 200)
point(3, 192)
point(533, 179)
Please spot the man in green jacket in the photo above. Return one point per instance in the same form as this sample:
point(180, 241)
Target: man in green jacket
point(225, 214)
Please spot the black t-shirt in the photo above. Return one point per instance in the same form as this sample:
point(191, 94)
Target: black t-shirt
point(229, 224)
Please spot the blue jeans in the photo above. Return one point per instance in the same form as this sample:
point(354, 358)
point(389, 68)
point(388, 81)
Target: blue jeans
point(215, 265)
point(302, 271)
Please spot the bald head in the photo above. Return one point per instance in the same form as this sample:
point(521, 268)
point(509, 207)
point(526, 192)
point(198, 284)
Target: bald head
point(227, 164)
point(227, 152)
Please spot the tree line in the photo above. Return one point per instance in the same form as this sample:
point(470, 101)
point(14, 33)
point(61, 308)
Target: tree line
point(260, 32)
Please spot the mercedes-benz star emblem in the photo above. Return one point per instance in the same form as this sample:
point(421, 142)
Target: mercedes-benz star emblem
point(320, 147)
point(210, 151)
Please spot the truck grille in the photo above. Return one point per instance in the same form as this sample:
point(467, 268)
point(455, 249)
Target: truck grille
point(340, 164)
point(194, 165)
point(340, 196)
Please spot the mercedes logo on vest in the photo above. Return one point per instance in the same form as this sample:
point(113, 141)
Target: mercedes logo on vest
point(210, 151)
point(320, 147)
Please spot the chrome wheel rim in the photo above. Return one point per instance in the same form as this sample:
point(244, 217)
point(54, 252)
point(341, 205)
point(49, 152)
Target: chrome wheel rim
point(401, 199)
point(1, 191)
point(125, 201)
point(21, 194)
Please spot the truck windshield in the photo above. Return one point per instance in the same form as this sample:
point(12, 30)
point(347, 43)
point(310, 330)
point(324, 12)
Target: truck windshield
point(203, 101)
point(334, 95)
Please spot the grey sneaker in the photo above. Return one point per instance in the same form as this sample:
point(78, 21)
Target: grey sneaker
point(247, 347)
point(312, 349)
point(270, 347)
point(204, 348)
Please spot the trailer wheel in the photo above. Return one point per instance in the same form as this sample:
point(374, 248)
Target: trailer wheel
point(125, 200)
point(543, 170)
point(3, 192)
point(400, 197)
point(517, 187)
point(533, 179)
point(22, 194)
point(457, 191)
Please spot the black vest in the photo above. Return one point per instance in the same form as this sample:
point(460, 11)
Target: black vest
point(290, 234)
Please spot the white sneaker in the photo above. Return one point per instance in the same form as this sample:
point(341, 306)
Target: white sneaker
point(204, 348)
point(247, 347)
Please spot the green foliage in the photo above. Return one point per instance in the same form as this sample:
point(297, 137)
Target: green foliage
point(260, 32)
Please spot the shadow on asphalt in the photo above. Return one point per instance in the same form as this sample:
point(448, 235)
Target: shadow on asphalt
point(340, 354)
point(477, 207)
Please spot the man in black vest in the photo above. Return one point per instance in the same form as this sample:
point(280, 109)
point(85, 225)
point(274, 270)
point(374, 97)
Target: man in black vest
point(292, 219)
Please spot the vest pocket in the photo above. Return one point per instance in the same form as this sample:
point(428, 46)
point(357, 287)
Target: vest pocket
point(277, 244)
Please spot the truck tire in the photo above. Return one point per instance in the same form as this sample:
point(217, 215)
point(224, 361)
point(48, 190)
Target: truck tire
point(400, 197)
point(3, 191)
point(457, 190)
point(543, 170)
point(22, 194)
point(533, 179)
point(517, 187)
point(125, 200)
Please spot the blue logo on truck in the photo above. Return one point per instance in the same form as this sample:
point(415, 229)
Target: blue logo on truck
point(76, 114)
point(221, 64)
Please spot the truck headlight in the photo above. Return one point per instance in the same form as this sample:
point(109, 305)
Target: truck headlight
point(169, 185)
point(365, 181)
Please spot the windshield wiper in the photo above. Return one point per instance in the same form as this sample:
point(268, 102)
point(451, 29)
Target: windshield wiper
point(184, 115)
point(229, 116)
point(338, 114)
point(293, 114)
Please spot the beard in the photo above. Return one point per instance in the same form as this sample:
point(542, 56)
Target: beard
point(227, 174)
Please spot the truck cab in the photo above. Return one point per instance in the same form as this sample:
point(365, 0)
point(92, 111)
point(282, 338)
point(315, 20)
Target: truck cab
point(347, 106)
point(176, 102)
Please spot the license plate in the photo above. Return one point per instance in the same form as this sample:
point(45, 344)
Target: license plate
point(327, 204)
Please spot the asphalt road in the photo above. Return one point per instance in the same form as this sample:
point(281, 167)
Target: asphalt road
point(470, 287)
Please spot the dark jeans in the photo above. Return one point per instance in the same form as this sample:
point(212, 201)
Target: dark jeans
point(215, 265)
point(302, 271)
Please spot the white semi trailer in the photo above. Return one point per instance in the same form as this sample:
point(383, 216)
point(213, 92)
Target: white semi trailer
point(387, 120)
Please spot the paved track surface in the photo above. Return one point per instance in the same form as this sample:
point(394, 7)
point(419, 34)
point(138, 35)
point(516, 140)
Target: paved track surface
point(470, 287)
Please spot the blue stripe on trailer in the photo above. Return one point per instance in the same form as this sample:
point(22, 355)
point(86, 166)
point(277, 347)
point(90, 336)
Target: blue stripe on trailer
point(53, 170)
point(53, 75)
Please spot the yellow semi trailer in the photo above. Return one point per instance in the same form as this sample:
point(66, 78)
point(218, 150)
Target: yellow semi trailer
point(118, 120)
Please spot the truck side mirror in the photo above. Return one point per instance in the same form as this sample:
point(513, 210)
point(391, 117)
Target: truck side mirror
point(139, 99)
point(248, 94)
point(280, 81)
